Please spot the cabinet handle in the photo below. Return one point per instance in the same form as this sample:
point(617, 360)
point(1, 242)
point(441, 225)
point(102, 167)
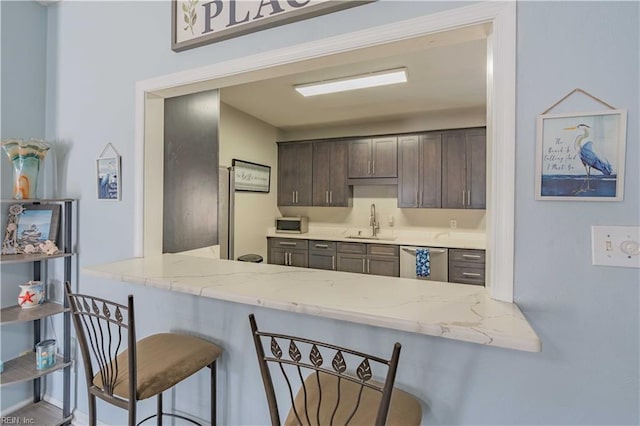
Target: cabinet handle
point(369, 167)
point(368, 265)
point(322, 246)
point(471, 256)
point(363, 271)
point(330, 197)
point(470, 274)
point(326, 197)
point(333, 263)
point(373, 167)
point(296, 197)
point(289, 259)
point(469, 198)
point(293, 197)
point(287, 243)
point(463, 203)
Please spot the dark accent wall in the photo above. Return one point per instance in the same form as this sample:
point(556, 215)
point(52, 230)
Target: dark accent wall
point(190, 206)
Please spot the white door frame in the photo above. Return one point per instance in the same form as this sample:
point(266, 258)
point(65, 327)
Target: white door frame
point(501, 76)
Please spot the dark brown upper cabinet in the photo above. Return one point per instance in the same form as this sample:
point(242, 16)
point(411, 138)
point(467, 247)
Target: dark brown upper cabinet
point(375, 157)
point(464, 169)
point(295, 174)
point(330, 174)
point(420, 170)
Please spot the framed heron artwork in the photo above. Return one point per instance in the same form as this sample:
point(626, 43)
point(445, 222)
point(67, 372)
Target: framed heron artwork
point(581, 156)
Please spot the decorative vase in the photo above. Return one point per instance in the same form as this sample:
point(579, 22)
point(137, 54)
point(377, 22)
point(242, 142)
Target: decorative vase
point(31, 294)
point(25, 157)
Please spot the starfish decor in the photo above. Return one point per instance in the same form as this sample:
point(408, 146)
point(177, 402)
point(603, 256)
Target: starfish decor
point(27, 297)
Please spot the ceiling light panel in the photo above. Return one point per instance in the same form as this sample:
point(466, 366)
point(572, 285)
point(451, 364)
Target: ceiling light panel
point(363, 81)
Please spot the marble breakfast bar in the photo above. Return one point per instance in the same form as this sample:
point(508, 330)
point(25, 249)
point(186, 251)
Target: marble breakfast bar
point(454, 311)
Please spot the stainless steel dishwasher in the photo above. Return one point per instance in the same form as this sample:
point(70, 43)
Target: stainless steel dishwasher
point(439, 263)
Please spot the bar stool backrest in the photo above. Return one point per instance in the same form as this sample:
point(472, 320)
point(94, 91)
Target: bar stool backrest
point(324, 384)
point(104, 329)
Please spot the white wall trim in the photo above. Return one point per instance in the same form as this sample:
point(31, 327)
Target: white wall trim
point(501, 123)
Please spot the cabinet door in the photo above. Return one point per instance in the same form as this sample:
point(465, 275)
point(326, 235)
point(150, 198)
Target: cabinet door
point(294, 174)
point(453, 170)
point(384, 157)
point(278, 256)
point(299, 258)
point(476, 169)
point(321, 173)
point(430, 185)
point(304, 175)
point(408, 170)
point(360, 158)
point(322, 260)
point(287, 174)
point(330, 174)
point(384, 265)
point(339, 190)
point(352, 263)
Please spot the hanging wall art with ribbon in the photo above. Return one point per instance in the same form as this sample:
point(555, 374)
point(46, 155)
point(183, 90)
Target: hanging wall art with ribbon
point(108, 170)
point(581, 156)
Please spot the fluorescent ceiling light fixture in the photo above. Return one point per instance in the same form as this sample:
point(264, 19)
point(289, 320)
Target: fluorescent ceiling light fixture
point(363, 81)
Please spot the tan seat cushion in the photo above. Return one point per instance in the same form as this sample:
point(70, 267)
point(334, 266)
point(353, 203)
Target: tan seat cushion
point(163, 360)
point(405, 409)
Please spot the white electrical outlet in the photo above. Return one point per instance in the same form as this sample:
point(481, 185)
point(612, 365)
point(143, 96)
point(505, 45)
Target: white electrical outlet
point(453, 224)
point(615, 246)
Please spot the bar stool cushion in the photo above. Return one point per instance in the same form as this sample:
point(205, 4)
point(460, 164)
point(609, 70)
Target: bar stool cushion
point(404, 409)
point(163, 360)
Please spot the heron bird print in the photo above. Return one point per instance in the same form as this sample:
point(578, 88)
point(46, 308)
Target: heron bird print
point(581, 156)
point(589, 158)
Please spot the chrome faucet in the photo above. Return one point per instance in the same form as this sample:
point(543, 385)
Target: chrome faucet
point(373, 223)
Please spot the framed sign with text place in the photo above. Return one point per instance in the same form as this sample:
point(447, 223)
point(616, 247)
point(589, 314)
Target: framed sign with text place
point(195, 23)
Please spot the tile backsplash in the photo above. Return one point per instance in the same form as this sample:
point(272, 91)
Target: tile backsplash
point(386, 200)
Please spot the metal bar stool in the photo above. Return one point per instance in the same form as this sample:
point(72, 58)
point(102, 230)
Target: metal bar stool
point(340, 392)
point(127, 371)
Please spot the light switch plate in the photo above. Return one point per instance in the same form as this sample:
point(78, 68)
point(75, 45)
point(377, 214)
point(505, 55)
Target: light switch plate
point(615, 246)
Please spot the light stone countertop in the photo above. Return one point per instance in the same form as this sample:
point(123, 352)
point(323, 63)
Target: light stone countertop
point(453, 311)
point(426, 237)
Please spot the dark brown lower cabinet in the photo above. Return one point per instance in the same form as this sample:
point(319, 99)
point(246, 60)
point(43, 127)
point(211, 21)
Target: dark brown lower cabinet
point(375, 259)
point(288, 252)
point(467, 266)
point(322, 255)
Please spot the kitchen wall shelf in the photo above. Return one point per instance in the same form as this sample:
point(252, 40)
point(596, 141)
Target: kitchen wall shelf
point(42, 413)
point(23, 258)
point(23, 367)
point(14, 314)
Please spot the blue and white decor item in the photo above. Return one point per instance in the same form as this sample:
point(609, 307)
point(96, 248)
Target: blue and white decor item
point(423, 262)
point(45, 354)
point(31, 294)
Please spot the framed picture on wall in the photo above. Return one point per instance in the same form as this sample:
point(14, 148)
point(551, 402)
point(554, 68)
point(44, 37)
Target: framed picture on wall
point(581, 156)
point(251, 177)
point(108, 171)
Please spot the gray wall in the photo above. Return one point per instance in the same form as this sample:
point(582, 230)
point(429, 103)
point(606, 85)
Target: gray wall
point(586, 316)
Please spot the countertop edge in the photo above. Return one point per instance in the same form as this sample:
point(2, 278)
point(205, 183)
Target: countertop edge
point(522, 337)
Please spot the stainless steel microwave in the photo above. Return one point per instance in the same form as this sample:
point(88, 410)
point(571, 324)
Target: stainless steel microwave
point(292, 225)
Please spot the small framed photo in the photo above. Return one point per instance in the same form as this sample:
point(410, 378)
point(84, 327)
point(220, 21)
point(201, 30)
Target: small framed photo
point(581, 156)
point(30, 224)
point(108, 174)
point(251, 177)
